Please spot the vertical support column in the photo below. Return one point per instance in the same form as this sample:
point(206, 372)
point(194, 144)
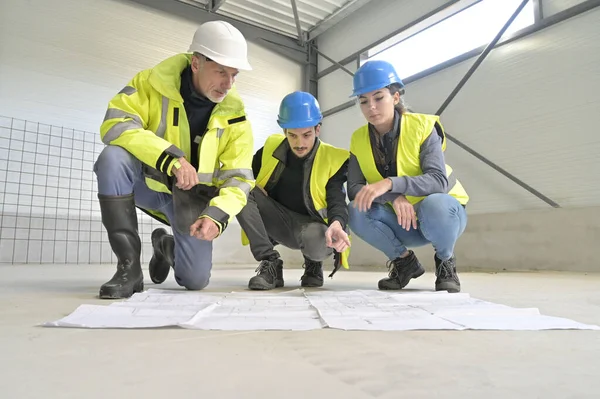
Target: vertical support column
point(538, 10)
point(310, 82)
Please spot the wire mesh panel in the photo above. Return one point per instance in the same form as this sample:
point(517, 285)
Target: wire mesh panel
point(49, 211)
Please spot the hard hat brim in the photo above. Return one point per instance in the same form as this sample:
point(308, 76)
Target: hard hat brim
point(241, 64)
point(368, 89)
point(299, 125)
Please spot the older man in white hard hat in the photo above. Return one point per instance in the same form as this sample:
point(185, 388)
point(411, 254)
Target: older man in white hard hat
point(179, 148)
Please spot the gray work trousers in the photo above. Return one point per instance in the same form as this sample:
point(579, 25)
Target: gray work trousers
point(120, 173)
point(266, 221)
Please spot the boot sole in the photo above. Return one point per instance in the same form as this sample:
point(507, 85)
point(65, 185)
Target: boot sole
point(450, 287)
point(311, 284)
point(111, 293)
point(416, 274)
point(263, 286)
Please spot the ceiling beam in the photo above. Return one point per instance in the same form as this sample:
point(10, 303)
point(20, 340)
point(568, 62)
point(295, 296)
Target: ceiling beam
point(336, 17)
point(214, 5)
point(198, 14)
point(298, 26)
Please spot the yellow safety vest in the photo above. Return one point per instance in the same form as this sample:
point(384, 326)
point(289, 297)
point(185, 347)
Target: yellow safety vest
point(328, 160)
point(414, 130)
point(148, 119)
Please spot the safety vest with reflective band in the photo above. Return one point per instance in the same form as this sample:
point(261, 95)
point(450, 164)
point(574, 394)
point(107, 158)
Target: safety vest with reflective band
point(148, 119)
point(327, 162)
point(414, 130)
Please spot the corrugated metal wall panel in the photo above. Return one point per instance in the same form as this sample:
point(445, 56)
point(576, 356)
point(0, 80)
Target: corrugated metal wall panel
point(63, 61)
point(341, 81)
point(60, 64)
point(530, 108)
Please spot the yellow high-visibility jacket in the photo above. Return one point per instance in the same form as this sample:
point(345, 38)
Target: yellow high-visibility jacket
point(325, 163)
point(414, 130)
point(148, 119)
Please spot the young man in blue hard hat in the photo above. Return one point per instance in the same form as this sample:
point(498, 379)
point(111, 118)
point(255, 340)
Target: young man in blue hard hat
point(299, 200)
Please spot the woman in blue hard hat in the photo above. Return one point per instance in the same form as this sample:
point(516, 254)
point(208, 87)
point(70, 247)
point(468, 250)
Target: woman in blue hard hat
point(299, 200)
point(402, 192)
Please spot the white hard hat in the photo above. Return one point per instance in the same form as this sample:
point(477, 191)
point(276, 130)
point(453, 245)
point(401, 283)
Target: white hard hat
point(223, 43)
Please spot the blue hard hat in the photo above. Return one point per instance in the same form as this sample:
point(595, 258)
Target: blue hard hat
point(298, 110)
point(373, 75)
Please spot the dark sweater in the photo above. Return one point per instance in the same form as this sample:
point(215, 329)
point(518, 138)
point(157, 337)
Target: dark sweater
point(289, 193)
point(198, 110)
point(288, 190)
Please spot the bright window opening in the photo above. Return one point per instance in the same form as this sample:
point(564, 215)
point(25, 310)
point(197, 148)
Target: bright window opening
point(468, 29)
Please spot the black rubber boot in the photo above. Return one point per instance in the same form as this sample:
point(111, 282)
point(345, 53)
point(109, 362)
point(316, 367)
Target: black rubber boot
point(120, 220)
point(270, 275)
point(162, 260)
point(313, 274)
point(447, 279)
point(401, 271)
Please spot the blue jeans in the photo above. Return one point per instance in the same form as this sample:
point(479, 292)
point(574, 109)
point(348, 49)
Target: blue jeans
point(441, 220)
point(120, 173)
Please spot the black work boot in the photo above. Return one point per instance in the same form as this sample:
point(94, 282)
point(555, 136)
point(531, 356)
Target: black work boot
point(313, 274)
point(270, 275)
point(162, 260)
point(120, 220)
point(401, 271)
point(447, 279)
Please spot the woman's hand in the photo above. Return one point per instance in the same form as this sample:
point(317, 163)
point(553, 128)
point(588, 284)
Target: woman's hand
point(407, 216)
point(369, 192)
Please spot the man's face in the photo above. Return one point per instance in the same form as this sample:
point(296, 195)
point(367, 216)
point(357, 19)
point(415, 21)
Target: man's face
point(302, 140)
point(211, 79)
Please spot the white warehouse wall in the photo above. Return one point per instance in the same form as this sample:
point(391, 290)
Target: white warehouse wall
point(61, 62)
point(530, 107)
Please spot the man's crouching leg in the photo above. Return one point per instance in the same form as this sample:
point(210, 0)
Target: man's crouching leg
point(117, 172)
point(193, 261)
point(251, 218)
point(315, 251)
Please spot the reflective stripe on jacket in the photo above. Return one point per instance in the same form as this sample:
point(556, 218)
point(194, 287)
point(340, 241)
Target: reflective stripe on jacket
point(148, 119)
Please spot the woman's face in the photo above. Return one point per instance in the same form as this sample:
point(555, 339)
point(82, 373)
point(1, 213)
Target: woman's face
point(377, 106)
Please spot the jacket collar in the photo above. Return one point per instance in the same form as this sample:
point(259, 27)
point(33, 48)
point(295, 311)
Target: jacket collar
point(166, 79)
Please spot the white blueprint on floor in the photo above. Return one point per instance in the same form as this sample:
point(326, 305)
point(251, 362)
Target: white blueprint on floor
point(311, 310)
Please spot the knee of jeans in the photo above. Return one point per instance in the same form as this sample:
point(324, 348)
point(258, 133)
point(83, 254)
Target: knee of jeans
point(438, 206)
point(314, 246)
point(357, 219)
point(193, 280)
point(114, 160)
point(354, 215)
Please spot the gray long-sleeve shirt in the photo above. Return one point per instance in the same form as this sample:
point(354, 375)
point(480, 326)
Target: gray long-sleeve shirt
point(433, 180)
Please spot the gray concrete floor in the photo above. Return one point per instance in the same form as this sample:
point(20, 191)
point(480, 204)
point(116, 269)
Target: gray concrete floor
point(40, 362)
